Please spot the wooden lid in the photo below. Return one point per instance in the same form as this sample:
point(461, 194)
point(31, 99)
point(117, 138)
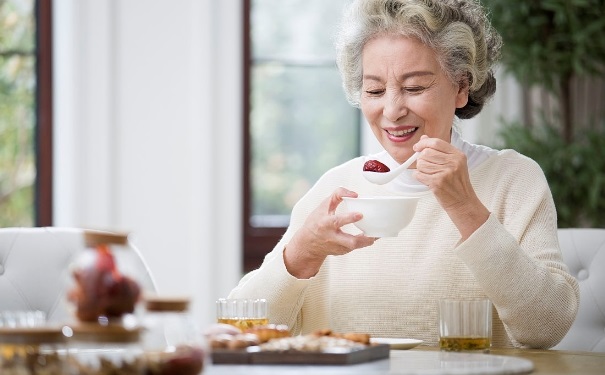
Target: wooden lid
point(31, 335)
point(111, 333)
point(94, 238)
point(166, 304)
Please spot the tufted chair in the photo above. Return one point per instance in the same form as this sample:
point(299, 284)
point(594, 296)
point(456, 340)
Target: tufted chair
point(34, 266)
point(584, 253)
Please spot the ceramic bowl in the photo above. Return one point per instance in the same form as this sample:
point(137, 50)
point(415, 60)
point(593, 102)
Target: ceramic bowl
point(383, 216)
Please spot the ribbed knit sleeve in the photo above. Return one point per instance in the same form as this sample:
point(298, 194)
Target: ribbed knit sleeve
point(515, 256)
point(284, 292)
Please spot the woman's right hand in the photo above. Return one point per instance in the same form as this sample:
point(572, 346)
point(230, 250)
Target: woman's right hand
point(321, 236)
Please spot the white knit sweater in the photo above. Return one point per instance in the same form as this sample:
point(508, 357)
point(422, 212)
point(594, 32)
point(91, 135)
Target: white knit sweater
point(391, 288)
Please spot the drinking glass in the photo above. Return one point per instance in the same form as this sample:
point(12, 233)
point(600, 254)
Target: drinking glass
point(465, 325)
point(22, 318)
point(242, 313)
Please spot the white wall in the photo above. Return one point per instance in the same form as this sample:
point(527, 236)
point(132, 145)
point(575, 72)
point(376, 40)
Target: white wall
point(147, 134)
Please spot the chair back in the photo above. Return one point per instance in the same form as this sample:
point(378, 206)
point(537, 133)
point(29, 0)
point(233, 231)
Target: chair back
point(583, 251)
point(34, 267)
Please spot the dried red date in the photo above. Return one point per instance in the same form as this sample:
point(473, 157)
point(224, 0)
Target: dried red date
point(100, 289)
point(375, 166)
point(186, 360)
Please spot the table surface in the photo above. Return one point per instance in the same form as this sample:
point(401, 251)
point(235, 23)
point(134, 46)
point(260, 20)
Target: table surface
point(428, 360)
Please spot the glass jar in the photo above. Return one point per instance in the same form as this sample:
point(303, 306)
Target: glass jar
point(111, 349)
point(22, 318)
point(173, 344)
point(104, 284)
point(33, 350)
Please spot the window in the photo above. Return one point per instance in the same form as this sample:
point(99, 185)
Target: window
point(297, 122)
point(25, 113)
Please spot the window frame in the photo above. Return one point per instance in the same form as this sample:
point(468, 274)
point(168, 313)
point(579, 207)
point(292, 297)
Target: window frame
point(44, 115)
point(257, 242)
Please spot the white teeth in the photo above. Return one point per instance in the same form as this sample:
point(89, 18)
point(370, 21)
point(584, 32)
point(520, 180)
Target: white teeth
point(400, 133)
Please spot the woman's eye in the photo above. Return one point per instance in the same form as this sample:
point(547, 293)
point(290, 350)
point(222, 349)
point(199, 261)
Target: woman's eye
point(414, 89)
point(374, 92)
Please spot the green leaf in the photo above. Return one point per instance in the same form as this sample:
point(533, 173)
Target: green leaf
point(575, 172)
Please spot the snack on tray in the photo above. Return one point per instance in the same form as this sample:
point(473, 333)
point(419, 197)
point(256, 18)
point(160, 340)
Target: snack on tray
point(362, 338)
point(311, 343)
point(273, 337)
point(223, 336)
point(270, 331)
point(220, 329)
point(238, 341)
point(242, 341)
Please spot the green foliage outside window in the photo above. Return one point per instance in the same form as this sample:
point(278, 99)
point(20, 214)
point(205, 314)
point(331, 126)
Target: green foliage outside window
point(575, 171)
point(548, 43)
point(17, 119)
point(300, 122)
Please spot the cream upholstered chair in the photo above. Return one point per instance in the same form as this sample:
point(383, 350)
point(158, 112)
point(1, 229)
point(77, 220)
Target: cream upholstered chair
point(584, 253)
point(34, 266)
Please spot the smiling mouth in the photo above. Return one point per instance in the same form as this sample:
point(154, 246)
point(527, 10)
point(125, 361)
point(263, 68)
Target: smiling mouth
point(401, 133)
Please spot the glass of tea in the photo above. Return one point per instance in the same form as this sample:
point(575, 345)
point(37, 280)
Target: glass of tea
point(465, 325)
point(242, 313)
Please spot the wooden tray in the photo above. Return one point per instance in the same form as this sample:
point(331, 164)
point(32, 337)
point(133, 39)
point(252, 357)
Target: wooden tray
point(370, 353)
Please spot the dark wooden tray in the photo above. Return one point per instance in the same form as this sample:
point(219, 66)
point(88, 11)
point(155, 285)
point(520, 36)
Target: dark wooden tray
point(370, 353)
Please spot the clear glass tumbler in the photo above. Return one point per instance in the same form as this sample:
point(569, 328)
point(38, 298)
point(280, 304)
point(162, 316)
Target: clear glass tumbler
point(465, 325)
point(242, 313)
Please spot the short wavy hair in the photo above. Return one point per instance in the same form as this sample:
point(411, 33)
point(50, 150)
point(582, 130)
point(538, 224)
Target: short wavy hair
point(459, 31)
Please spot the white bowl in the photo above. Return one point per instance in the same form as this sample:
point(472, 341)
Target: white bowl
point(383, 216)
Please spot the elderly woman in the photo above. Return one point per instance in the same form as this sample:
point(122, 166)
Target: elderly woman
point(487, 227)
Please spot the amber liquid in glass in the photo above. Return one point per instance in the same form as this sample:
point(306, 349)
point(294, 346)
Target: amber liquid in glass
point(460, 344)
point(244, 323)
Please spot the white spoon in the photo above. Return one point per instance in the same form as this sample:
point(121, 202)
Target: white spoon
point(381, 178)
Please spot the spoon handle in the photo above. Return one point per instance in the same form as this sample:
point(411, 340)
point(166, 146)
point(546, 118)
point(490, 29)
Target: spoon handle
point(409, 162)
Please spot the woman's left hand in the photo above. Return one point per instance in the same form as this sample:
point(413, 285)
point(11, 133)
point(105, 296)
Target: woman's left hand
point(443, 168)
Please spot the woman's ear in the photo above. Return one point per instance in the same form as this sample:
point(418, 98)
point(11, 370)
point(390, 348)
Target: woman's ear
point(463, 90)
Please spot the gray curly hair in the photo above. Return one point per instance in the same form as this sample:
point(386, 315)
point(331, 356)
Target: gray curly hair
point(459, 31)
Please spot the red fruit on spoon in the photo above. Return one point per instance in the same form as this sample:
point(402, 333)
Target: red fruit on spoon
point(386, 175)
point(375, 166)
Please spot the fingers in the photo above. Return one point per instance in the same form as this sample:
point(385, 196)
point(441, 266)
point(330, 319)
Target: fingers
point(361, 240)
point(433, 147)
point(321, 235)
point(325, 226)
point(437, 155)
point(333, 221)
point(425, 142)
point(444, 169)
point(345, 243)
point(336, 198)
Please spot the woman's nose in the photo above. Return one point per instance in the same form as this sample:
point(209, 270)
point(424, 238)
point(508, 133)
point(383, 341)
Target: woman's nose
point(394, 107)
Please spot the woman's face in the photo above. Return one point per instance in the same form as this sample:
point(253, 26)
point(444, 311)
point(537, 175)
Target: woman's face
point(405, 94)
